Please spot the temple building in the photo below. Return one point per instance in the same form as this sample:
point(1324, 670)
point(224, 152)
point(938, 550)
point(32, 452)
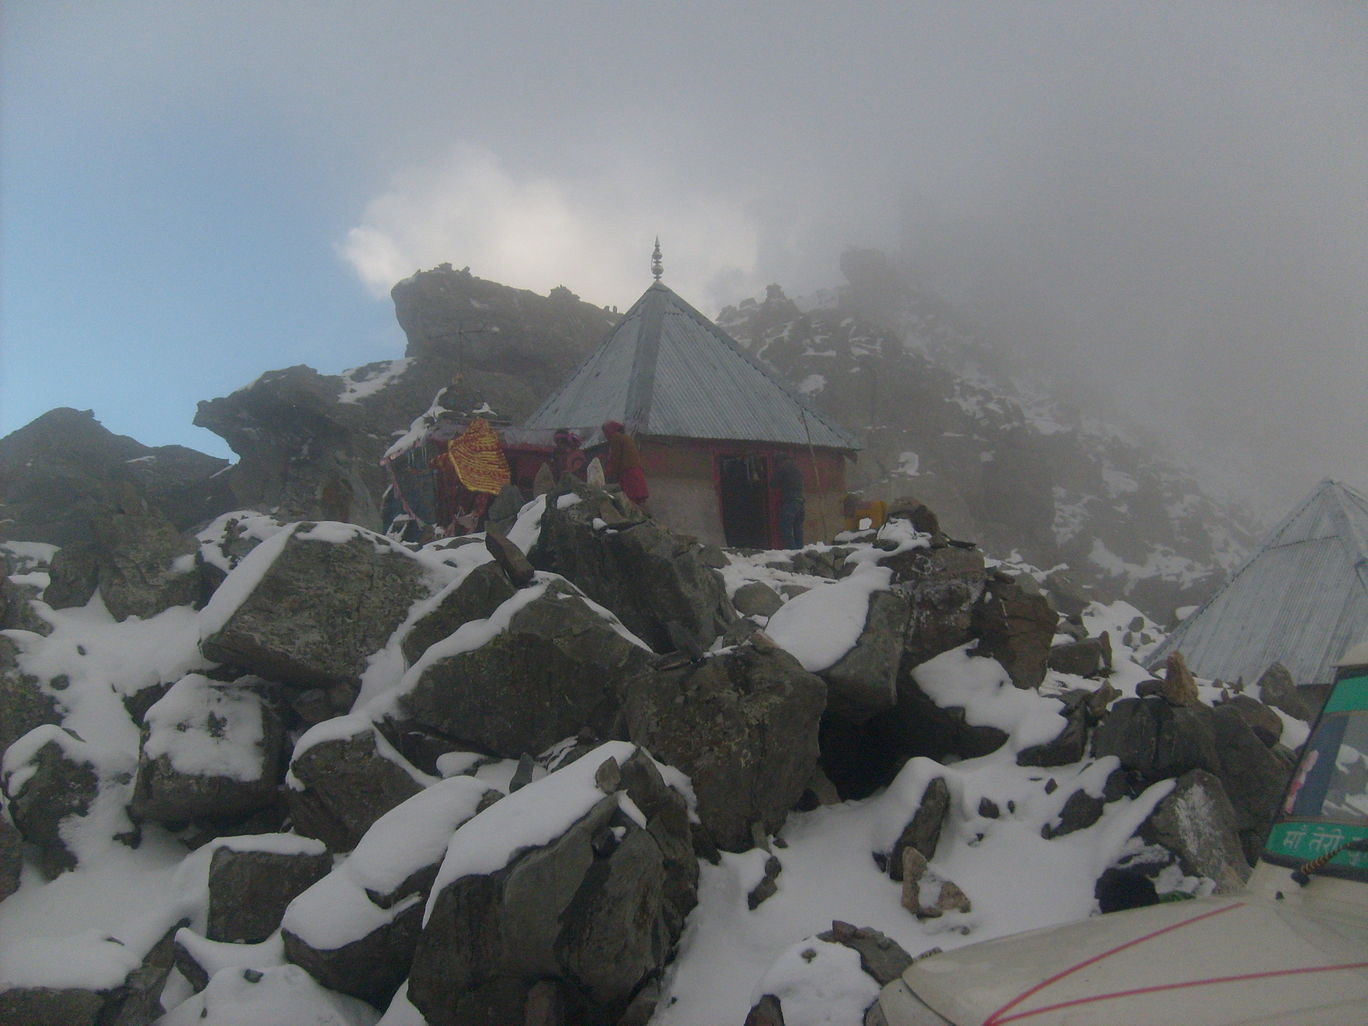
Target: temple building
point(710, 421)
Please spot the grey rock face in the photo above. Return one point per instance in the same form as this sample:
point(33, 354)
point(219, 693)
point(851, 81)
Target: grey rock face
point(373, 902)
point(1198, 824)
point(132, 559)
point(59, 779)
point(864, 680)
point(1155, 740)
point(558, 667)
point(648, 576)
point(1278, 689)
point(590, 910)
point(250, 886)
point(743, 725)
point(320, 610)
point(756, 598)
point(209, 751)
point(302, 451)
point(1089, 658)
point(1253, 774)
point(347, 784)
point(1015, 629)
point(941, 586)
point(11, 856)
point(474, 597)
point(924, 828)
point(24, 703)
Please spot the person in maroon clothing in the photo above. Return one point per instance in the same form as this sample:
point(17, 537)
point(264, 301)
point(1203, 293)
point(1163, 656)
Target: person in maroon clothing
point(624, 463)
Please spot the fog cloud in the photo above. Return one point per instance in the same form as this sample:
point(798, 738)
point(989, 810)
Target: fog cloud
point(536, 231)
point(1168, 200)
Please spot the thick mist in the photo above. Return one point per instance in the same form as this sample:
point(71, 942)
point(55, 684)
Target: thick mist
point(1169, 201)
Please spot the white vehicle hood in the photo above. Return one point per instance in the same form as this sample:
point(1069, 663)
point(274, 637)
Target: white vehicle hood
point(1238, 959)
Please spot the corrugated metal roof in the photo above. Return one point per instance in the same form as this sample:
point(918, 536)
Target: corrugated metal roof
point(667, 370)
point(1301, 599)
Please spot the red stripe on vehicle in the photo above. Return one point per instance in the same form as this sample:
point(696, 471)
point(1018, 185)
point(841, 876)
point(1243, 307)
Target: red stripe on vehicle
point(998, 1017)
point(1179, 986)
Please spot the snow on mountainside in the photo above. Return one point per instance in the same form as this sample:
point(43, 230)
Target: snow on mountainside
point(949, 418)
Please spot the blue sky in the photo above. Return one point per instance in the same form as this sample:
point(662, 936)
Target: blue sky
point(1168, 200)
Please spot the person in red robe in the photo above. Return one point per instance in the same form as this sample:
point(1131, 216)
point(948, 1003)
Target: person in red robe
point(624, 463)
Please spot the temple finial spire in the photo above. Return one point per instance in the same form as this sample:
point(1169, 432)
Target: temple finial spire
point(657, 268)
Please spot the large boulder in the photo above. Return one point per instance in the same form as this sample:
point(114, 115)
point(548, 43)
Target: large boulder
point(1091, 657)
point(345, 775)
point(210, 751)
point(1198, 824)
point(743, 724)
point(54, 780)
point(923, 830)
point(474, 597)
point(1276, 688)
point(648, 576)
point(1253, 774)
point(577, 898)
point(355, 929)
point(1155, 739)
point(545, 666)
point(864, 680)
point(942, 586)
point(323, 598)
point(252, 879)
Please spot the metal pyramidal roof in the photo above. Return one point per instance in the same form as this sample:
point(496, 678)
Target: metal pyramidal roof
point(1301, 599)
point(666, 370)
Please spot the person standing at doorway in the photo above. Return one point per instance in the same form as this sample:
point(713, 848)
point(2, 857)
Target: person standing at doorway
point(788, 477)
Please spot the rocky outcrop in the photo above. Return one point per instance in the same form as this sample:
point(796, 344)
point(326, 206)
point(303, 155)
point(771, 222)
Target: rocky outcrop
point(743, 725)
point(942, 586)
point(302, 450)
point(1253, 774)
point(1276, 688)
point(1015, 628)
point(1155, 740)
point(64, 473)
